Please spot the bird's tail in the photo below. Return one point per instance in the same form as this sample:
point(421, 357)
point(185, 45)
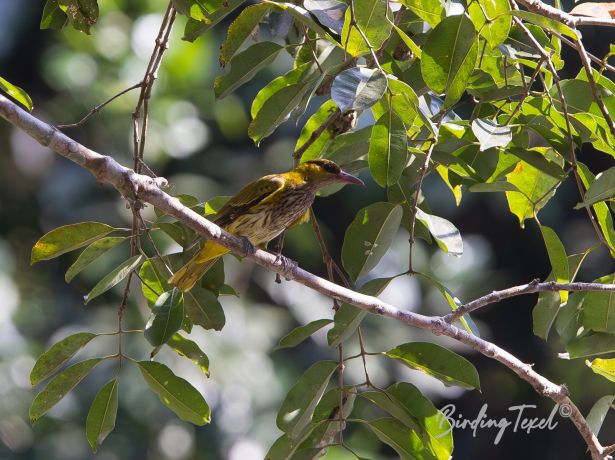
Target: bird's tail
point(186, 277)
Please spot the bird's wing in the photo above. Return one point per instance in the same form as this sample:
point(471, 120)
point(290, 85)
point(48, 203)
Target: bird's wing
point(252, 194)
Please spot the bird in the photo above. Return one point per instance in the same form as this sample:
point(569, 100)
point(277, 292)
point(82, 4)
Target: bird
point(262, 210)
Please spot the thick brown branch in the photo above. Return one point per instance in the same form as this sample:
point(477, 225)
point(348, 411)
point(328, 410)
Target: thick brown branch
point(129, 183)
point(570, 20)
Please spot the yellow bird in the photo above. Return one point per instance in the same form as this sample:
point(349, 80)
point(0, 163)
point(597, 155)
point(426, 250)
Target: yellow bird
point(262, 210)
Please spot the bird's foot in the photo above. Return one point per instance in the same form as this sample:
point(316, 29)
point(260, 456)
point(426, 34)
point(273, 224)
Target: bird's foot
point(288, 267)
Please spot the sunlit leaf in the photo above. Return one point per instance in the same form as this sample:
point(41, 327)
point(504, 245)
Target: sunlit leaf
point(53, 16)
point(209, 18)
point(491, 19)
point(603, 214)
point(16, 93)
point(373, 18)
point(102, 413)
point(546, 22)
point(439, 362)
point(431, 11)
point(240, 29)
point(449, 57)
point(317, 148)
point(68, 238)
point(603, 367)
point(153, 283)
point(557, 257)
point(175, 393)
point(57, 355)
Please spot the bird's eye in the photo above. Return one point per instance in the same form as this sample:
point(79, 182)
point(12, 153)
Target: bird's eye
point(329, 168)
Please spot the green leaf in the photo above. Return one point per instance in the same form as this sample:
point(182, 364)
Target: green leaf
point(490, 134)
point(446, 234)
point(60, 386)
point(153, 284)
point(347, 318)
point(102, 413)
point(388, 149)
point(603, 188)
point(373, 17)
point(546, 23)
point(430, 11)
point(492, 19)
point(405, 441)
point(454, 303)
point(535, 190)
point(358, 88)
point(209, 17)
point(603, 367)
point(330, 13)
point(318, 148)
point(302, 16)
point(16, 93)
point(91, 253)
point(408, 42)
point(557, 257)
point(599, 343)
point(274, 103)
point(439, 362)
point(244, 66)
point(53, 16)
point(603, 214)
point(114, 277)
point(175, 393)
point(598, 412)
point(68, 238)
point(181, 234)
point(301, 333)
point(408, 405)
point(449, 57)
point(82, 14)
point(536, 157)
point(59, 353)
point(599, 308)
point(189, 349)
point(203, 308)
point(240, 29)
point(298, 406)
point(568, 320)
point(369, 236)
point(497, 186)
point(166, 318)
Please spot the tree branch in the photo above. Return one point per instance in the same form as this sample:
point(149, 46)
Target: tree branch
point(570, 20)
point(529, 288)
point(129, 184)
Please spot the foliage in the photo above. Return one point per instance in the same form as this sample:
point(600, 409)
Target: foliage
point(472, 97)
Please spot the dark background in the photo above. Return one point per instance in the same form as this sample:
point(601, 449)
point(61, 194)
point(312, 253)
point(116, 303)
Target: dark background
point(202, 147)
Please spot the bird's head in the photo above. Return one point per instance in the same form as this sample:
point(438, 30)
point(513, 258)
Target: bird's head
point(322, 172)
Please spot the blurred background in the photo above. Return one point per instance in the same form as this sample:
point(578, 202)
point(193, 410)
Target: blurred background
point(200, 144)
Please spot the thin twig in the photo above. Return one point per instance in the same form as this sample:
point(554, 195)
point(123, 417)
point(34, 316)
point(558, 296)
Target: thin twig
point(99, 107)
point(529, 288)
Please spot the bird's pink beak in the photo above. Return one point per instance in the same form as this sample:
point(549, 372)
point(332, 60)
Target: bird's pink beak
point(349, 178)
